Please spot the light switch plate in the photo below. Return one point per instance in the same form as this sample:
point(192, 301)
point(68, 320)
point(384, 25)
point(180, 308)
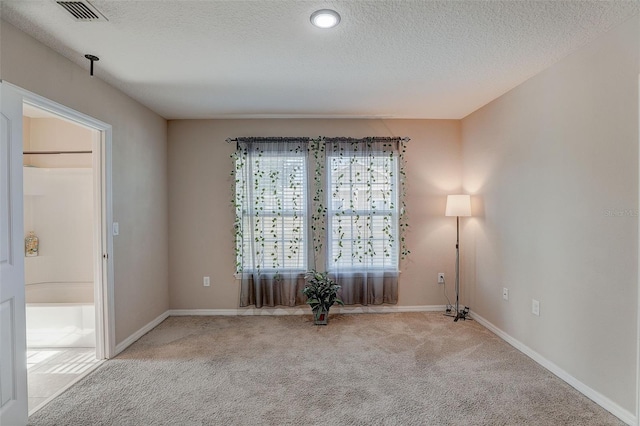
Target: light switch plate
point(505, 293)
point(116, 228)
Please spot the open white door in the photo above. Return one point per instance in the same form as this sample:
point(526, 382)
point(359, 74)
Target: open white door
point(13, 353)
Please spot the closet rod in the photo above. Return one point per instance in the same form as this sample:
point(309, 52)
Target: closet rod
point(56, 152)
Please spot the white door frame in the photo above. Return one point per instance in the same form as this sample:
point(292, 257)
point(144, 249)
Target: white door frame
point(637, 413)
point(13, 345)
point(103, 206)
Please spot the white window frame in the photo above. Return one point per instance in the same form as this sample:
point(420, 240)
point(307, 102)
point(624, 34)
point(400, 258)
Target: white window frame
point(395, 218)
point(248, 231)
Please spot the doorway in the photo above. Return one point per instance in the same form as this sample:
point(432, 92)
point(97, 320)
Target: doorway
point(60, 215)
point(13, 371)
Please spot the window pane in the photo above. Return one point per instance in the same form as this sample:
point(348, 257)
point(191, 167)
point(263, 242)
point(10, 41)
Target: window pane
point(362, 209)
point(273, 201)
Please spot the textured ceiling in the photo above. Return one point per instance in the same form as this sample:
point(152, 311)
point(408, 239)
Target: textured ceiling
point(387, 58)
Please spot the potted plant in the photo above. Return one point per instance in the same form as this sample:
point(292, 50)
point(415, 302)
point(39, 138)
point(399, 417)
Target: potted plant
point(322, 293)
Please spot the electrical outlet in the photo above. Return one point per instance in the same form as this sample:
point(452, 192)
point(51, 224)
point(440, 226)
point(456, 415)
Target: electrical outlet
point(535, 307)
point(505, 293)
point(440, 277)
point(206, 282)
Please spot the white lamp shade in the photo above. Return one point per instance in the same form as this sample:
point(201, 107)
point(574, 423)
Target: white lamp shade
point(458, 205)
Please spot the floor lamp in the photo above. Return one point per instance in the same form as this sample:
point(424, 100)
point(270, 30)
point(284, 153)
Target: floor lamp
point(458, 205)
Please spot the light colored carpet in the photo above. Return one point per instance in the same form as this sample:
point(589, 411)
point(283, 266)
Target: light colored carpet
point(361, 369)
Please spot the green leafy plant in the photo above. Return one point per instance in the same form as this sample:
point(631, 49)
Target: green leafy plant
point(321, 292)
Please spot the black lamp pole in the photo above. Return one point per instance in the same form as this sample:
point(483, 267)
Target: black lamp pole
point(458, 205)
point(458, 313)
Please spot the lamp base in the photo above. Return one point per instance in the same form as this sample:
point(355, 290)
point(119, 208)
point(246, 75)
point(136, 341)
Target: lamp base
point(463, 314)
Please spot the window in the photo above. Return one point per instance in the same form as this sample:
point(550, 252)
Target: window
point(331, 204)
point(271, 213)
point(362, 209)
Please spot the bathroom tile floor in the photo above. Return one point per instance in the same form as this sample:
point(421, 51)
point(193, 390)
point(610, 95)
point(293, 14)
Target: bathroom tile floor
point(51, 369)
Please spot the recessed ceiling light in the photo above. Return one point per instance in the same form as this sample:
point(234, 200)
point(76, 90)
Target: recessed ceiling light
point(325, 18)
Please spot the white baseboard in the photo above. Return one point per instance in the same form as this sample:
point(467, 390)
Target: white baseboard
point(383, 309)
point(304, 310)
point(201, 312)
point(138, 334)
point(624, 415)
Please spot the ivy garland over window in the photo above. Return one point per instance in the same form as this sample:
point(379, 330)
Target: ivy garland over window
point(272, 204)
point(318, 209)
point(365, 177)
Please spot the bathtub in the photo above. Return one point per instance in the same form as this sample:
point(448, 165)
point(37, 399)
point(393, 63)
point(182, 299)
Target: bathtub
point(60, 323)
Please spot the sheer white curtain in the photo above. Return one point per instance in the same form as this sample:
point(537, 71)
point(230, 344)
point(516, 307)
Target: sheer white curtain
point(271, 197)
point(332, 203)
point(363, 207)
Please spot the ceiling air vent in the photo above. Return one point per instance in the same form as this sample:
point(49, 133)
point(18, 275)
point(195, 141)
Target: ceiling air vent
point(82, 11)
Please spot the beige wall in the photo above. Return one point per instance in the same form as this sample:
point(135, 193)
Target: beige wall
point(553, 165)
point(53, 134)
point(201, 215)
point(139, 171)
